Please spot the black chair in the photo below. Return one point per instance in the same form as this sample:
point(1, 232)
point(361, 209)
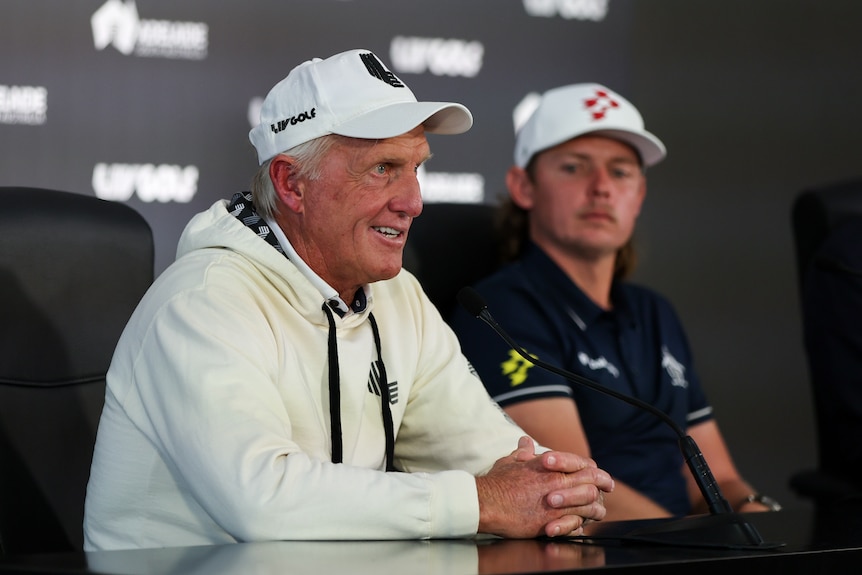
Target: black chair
point(827, 230)
point(72, 269)
point(450, 246)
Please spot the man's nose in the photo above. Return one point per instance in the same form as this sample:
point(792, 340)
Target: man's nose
point(601, 184)
point(409, 200)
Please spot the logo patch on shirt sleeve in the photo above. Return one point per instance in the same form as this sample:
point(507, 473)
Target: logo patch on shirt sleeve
point(674, 369)
point(515, 368)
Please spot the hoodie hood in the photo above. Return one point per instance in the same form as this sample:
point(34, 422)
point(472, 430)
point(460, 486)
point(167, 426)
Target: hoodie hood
point(218, 229)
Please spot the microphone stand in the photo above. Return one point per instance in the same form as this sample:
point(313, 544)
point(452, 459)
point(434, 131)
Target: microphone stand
point(722, 527)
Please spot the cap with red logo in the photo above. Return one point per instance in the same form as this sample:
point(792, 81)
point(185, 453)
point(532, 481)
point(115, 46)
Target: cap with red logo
point(570, 111)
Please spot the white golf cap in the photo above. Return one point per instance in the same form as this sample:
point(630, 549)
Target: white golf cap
point(570, 111)
point(351, 94)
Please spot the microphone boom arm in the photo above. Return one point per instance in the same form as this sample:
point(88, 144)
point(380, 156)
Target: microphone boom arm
point(722, 528)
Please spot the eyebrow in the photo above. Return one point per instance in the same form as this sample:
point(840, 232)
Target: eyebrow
point(614, 159)
point(399, 159)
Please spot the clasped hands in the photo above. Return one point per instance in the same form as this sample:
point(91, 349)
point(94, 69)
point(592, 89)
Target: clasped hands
point(553, 494)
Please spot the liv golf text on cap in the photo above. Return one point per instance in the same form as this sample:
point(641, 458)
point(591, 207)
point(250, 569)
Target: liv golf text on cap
point(351, 94)
point(571, 111)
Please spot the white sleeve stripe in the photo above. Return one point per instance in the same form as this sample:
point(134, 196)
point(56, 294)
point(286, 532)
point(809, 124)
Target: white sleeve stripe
point(699, 414)
point(542, 389)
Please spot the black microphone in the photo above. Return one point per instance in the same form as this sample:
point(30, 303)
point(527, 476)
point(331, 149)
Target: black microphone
point(731, 531)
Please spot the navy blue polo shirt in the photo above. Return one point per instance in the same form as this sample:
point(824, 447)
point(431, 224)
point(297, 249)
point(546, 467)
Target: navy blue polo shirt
point(638, 348)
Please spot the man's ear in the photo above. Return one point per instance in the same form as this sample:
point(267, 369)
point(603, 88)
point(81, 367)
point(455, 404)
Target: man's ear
point(288, 188)
point(520, 187)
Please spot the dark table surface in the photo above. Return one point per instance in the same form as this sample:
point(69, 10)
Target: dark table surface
point(799, 540)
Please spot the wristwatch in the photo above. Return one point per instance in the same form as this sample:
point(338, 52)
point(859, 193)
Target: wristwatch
point(765, 500)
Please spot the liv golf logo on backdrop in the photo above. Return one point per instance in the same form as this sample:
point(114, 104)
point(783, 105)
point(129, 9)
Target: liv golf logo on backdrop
point(23, 105)
point(116, 23)
point(440, 56)
point(149, 182)
point(595, 10)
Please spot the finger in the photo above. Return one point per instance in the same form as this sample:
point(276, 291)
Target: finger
point(565, 525)
point(585, 501)
point(526, 449)
point(520, 452)
point(592, 476)
point(566, 462)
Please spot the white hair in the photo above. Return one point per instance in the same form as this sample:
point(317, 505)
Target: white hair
point(307, 158)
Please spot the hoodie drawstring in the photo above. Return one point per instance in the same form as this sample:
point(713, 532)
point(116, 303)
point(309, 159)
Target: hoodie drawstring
point(335, 394)
point(384, 399)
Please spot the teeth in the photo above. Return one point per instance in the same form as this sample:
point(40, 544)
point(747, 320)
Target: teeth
point(387, 231)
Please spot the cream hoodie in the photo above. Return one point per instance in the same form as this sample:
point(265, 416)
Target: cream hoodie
point(216, 424)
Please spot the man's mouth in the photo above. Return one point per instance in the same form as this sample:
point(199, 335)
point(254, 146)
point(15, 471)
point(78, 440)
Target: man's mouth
point(388, 232)
point(598, 215)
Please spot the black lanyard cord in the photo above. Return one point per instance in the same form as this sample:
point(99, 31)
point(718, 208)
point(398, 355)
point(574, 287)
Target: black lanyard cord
point(334, 391)
point(335, 394)
point(384, 399)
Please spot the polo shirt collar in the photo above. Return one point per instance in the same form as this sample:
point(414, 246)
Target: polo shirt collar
point(565, 295)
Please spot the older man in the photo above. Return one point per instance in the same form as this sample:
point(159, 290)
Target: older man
point(284, 379)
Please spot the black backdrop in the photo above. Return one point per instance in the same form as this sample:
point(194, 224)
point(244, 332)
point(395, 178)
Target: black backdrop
point(149, 103)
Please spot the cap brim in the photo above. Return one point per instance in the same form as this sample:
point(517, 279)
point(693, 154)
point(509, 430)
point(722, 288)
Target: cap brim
point(401, 117)
point(650, 148)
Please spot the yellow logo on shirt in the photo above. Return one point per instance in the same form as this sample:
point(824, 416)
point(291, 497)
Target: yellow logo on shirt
point(515, 368)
